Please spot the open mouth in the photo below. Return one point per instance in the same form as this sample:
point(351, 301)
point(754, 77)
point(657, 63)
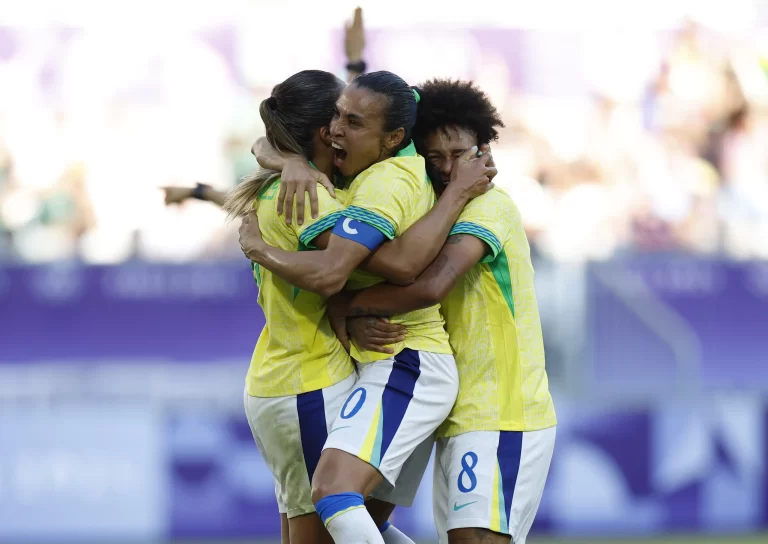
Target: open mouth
point(339, 154)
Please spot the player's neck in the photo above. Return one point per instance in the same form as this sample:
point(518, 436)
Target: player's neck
point(324, 163)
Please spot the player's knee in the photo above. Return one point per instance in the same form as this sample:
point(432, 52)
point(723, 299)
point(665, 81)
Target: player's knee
point(331, 482)
point(321, 489)
point(325, 480)
point(340, 472)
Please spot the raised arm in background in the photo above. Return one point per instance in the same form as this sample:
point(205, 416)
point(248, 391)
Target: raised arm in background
point(177, 195)
point(354, 45)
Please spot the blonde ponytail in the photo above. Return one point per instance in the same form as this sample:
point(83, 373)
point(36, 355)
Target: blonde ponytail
point(240, 199)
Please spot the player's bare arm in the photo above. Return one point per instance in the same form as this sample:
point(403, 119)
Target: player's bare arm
point(366, 308)
point(323, 272)
point(354, 45)
point(297, 178)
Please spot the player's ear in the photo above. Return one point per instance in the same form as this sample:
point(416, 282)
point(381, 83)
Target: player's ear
point(325, 135)
point(392, 140)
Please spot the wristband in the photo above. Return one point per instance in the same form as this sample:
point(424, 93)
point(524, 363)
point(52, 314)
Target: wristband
point(199, 191)
point(357, 67)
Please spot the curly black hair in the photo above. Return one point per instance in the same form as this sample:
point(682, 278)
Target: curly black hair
point(446, 102)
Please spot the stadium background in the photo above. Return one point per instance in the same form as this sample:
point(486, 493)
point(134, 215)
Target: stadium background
point(635, 147)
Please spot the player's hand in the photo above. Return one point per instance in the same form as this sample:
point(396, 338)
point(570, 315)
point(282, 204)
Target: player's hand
point(375, 333)
point(471, 175)
point(177, 195)
point(336, 309)
point(299, 177)
point(354, 37)
point(485, 149)
point(251, 241)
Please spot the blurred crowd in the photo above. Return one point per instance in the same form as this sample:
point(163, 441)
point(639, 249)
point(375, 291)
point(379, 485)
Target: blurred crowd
point(681, 168)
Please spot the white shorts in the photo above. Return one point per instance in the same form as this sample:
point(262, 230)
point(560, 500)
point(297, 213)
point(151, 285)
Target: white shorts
point(491, 480)
point(395, 406)
point(404, 491)
point(290, 433)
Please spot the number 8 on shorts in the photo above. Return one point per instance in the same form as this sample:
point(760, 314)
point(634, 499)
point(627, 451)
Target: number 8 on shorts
point(491, 480)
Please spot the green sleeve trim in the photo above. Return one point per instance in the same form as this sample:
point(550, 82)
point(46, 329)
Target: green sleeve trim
point(317, 228)
point(478, 231)
point(373, 219)
point(500, 270)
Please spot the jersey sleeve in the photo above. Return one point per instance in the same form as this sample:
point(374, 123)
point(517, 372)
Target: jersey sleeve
point(329, 210)
point(489, 218)
point(383, 197)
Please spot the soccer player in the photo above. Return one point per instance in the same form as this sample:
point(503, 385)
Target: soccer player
point(398, 401)
point(495, 447)
point(300, 374)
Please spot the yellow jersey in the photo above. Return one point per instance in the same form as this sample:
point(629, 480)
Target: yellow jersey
point(493, 321)
point(391, 196)
point(297, 350)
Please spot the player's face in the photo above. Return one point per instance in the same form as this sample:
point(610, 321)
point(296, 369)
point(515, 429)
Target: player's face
point(443, 147)
point(357, 130)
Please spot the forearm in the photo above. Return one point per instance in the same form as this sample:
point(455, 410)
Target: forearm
point(458, 255)
point(385, 300)
point(407, 256)
point(215, 196)
point(351, 74)
point(308, 270)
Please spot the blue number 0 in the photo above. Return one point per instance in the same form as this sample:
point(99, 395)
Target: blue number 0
point(467, 469)
point(356, 408)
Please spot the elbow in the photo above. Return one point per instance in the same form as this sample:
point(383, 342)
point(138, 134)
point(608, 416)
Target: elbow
point(330, 284)
point(404, 275)
point(263, 161)
point(257, 150)
point(327, 289)
point(405, 279)
point(435, 291)
point(258, 145)
point(430, 298)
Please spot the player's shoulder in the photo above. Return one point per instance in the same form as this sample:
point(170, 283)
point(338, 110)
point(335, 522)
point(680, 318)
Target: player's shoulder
point(326, 201)
point(266, 203)
point(495, 204)
point(342, 195)
point(271, 224)
point(410, 167)
point(407, 169)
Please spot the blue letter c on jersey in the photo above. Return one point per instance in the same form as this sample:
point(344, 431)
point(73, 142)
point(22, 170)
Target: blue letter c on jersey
point(356, 408)
point(347, 226)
